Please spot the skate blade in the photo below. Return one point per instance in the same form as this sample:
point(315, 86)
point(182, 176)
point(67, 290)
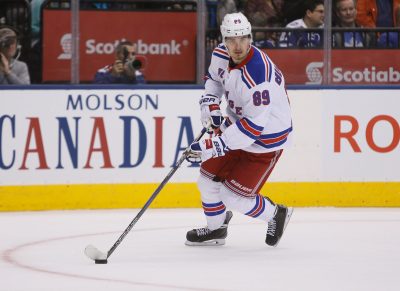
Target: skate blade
point(288, 216)
point(214, 242)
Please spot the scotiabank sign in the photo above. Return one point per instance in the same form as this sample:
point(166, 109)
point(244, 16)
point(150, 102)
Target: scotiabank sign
point(348, 66)
point(165, 43)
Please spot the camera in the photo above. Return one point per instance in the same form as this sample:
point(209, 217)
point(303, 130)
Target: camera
point(134, 64)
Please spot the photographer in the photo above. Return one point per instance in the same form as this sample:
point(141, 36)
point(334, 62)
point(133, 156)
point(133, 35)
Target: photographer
point(124, 70)
point(12, 71)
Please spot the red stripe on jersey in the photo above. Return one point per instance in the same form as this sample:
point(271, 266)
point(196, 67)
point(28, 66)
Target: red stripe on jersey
point(220, 51)
point(275, 139)
point(248, 77)
point(247, 127)
point(267, 68)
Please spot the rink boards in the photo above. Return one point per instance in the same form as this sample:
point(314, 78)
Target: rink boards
point(110, 148)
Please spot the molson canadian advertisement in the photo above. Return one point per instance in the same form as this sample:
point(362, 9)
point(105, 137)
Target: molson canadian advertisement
point(102, 148)
point(165, 43)
point(68, 135)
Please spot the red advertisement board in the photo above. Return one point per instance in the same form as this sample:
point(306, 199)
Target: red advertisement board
point(165, 41)
point(348, 66)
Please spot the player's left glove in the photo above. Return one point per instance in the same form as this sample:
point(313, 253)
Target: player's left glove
point(208, 148)
point(210, 111)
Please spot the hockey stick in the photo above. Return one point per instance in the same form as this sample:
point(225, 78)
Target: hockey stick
point(100, 257)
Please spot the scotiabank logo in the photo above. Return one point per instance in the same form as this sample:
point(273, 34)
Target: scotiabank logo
point(92, 46)
point(340, 75)
point(66, 47)
point(170, 48)
point(313, 71)
point(367, 75)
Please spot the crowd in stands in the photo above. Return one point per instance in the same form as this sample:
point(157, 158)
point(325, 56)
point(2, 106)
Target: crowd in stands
point(276, 23)
point(352, 22)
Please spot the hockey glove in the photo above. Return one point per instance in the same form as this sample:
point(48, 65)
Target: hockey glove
point(210, 111)
point(206, 149)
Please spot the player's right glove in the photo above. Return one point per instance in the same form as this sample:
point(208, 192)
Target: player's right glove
point(210, 111)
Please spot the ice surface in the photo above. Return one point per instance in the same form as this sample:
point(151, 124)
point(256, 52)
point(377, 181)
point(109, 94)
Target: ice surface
point(322, 249)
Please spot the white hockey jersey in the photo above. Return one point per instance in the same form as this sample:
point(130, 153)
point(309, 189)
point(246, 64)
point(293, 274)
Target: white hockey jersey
point(257, 102)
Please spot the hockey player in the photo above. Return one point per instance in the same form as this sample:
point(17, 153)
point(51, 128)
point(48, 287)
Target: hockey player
point(237, 162)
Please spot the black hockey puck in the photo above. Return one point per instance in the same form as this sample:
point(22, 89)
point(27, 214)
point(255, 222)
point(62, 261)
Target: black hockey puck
point(100, 261)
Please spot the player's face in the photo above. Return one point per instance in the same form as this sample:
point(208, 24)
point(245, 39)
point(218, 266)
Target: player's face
point(238, 47)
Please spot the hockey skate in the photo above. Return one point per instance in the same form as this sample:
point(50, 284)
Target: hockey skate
point(277, 225)
point(206, 237)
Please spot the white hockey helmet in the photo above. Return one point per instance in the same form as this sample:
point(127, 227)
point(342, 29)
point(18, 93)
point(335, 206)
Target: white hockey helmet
point(235, 24)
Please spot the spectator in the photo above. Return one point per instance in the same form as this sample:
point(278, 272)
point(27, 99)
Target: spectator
point(35, 21)
point(101, 5)
point(271, 38)
point(12, 71)
point(212, 13)
point(313, 17)
point(225, 7)
point(391, 39)
point(260, 12)
point(345, 12)
point(124, 70)
point(240, 4)
point(292, 10)
point(377, 13)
